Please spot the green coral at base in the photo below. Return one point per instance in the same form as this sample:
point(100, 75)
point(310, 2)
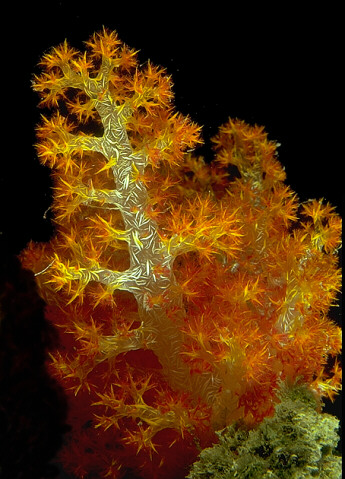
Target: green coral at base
point(297, 442)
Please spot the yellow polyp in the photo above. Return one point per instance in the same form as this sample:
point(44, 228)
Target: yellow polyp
point(110, 164)
point(136, 175)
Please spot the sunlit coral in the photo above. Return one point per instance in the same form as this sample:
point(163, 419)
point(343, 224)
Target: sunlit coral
point(183, 293)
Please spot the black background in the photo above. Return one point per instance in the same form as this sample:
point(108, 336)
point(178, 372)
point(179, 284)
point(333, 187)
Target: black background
point(274, 66)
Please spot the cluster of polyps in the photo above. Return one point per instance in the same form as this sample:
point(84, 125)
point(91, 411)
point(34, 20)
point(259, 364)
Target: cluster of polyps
point(183, 295)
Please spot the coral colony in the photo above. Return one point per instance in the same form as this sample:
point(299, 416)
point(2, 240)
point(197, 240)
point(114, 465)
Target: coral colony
point(183, 293)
